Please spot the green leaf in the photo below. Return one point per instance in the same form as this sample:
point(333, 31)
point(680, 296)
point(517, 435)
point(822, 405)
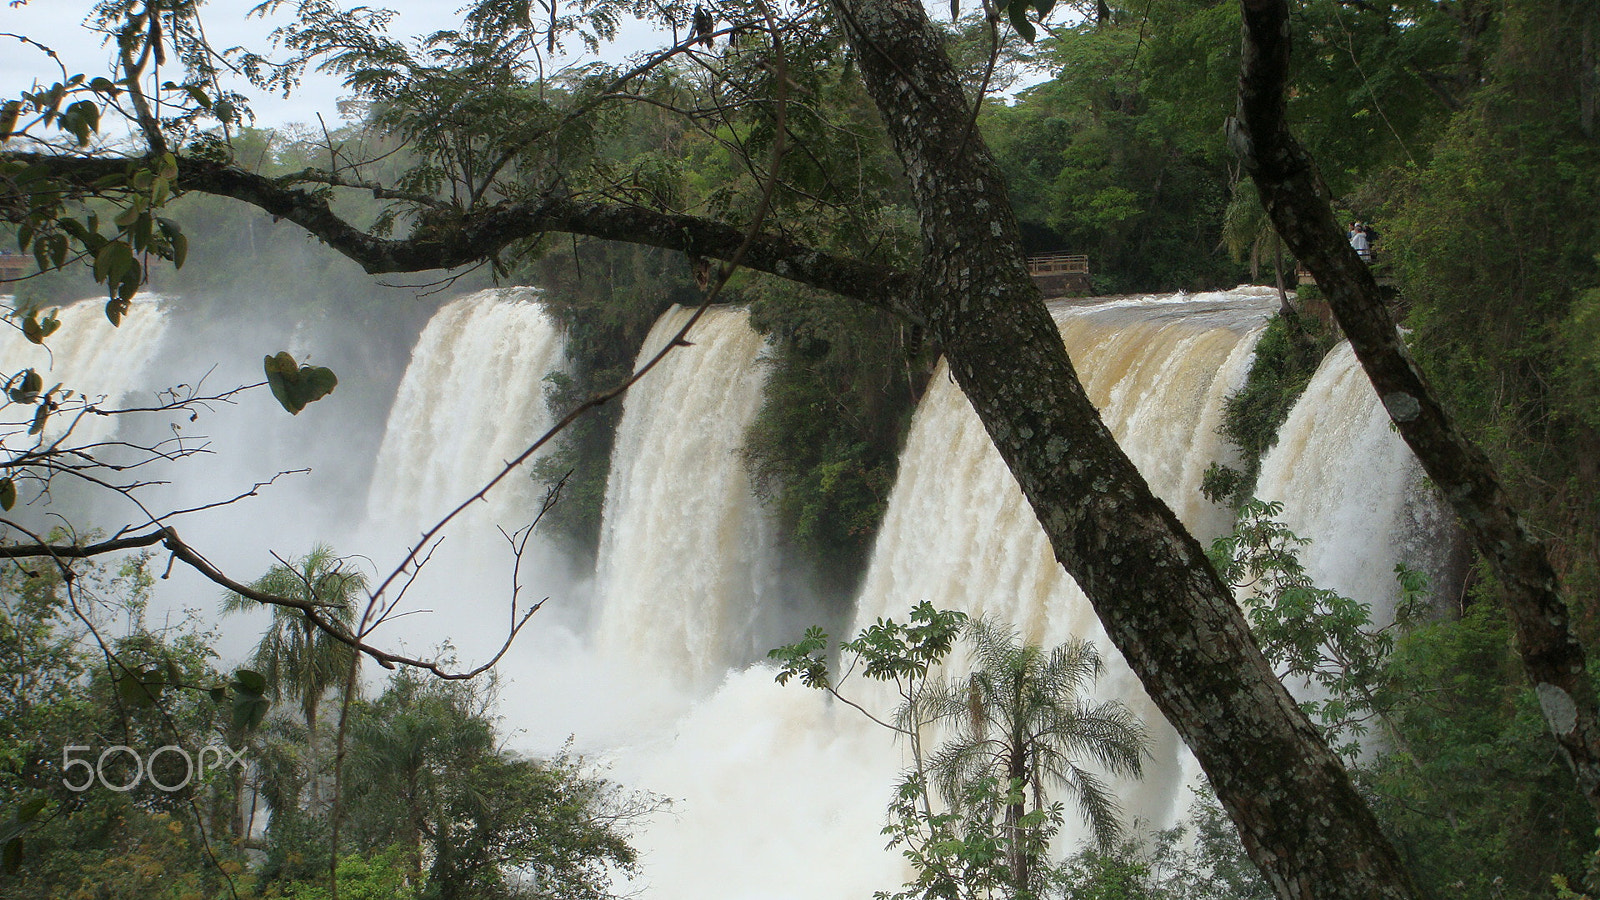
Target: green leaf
point(35, 330)
point(1019, 20)
point(135, 691)
point(128, 216)
point(198, 95)
point(84, 117)
point(39, 419)
point(219, 695)
point(250, 682)
point(297, 386)
point(27, 390)
point(250, 704)
point(8, 493)
point(132, 279)
point(112, 260)
point(73, 227)
point(116, 308)
point(31, 808)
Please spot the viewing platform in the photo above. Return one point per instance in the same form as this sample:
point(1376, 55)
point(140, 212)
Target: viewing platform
point(1061, 274)
point(1380, 273)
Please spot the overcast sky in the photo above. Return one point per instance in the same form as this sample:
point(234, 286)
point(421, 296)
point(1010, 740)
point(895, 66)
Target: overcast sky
point(59, 24)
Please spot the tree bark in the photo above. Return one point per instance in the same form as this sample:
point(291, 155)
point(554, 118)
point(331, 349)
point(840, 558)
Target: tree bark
point(1297, 200)
point(481, 234)
point(1158, 597)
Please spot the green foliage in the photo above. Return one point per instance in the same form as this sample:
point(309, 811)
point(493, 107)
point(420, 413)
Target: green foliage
point(1472, 793)
point(1313, 633)
point(885, 651)
point(824, 447)
point(1461, 770)
point(429, 784)
point(1019, 728)
point(966, 854)
point(1097, 874)
point(382, 875)
point(67, 693)
point(1096, 165)
point(297, 660)
point(1493, 245)
point(56, 238)
point(1021, 715)
point(1201, 859)
point(1286, 357)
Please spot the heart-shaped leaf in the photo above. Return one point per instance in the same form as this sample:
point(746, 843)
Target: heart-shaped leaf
point(296, 386)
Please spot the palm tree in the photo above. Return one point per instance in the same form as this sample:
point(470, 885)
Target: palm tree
point(1020, 720)
point(300, 661)
point(405, 748)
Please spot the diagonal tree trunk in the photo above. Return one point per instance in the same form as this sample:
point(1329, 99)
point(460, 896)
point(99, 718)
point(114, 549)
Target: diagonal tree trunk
point(1160, 601)
point(1295, 197)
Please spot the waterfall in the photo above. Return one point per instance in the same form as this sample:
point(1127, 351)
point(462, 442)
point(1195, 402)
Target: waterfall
point(1351, 485)
point(471, 400)
point(959, 533)
point(683, 568)
point(90, 356)
point(779, 792)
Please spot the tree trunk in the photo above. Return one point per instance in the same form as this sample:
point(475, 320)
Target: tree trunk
point(1159, 599)
point(1295, 197)
point(1017, 776)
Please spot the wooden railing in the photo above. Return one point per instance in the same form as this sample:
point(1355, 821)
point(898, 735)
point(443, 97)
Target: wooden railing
point(1058, 264)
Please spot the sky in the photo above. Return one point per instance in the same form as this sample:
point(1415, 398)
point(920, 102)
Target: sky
point(60, 25)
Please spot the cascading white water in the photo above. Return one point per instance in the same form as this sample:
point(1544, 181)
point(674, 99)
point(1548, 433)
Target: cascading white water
point(684, 549)
point(1350, 484)
point(779, 792)
point(959, 533)
point(472, 399)
point(817, 774)
point(90, 356)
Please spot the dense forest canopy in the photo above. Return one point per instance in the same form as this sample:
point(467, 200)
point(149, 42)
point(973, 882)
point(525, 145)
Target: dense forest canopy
point(842, 169)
